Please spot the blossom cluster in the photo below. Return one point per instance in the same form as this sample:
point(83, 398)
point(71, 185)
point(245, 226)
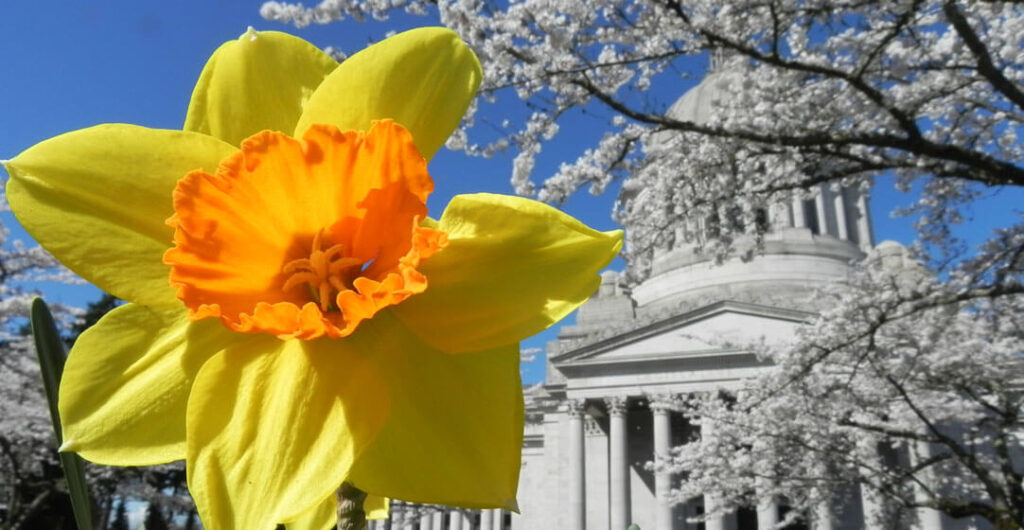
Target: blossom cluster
point(823, 92)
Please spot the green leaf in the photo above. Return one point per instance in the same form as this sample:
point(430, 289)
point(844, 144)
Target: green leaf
point(51, 353)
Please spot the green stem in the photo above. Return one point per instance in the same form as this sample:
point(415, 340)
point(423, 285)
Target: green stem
point(50, 349)
point(350, 507)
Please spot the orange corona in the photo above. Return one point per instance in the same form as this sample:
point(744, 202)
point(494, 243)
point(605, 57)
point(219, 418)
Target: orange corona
point(307, 238)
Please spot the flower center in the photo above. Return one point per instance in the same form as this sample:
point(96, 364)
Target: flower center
point(325, 272)
point(242, 235)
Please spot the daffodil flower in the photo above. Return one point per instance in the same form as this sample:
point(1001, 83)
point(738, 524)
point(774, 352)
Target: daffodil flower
point(295, 320)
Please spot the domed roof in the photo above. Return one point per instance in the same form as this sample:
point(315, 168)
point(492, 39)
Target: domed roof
point(696, 104)
point(792, 261)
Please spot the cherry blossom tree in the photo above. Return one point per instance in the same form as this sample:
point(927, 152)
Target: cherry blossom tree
point(29, 469)
point(908, 388)
point(906, 393)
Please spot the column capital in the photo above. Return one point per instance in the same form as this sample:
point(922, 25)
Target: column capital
point(660, 403)
point(616, 405)
point(575, 407)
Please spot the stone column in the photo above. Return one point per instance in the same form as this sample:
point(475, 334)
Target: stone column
point(767, 508)
point(661, 407)
point(712, 499)
point(680, 238)
point(823, 516)
point(871, 502)
point(497, 521)
point(618, 464)
point(713, 522)
point(397, 517)
point(437, 520)
point(427, 522)
point(577, 491)
point(486, 519)
point(779, 217)
point(820, 211)
point(455, 520)
point(799, 220)
point(928, 518)
point(467, 520)
point(864, 236)
point(839, 203)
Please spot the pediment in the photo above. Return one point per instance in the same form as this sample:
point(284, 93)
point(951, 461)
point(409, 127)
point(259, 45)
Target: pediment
point(720, 328)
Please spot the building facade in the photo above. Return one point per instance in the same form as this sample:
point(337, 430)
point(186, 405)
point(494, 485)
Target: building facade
point(608, 407)
point(615, 378)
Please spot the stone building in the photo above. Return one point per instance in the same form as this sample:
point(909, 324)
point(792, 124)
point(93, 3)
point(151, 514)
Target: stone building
point(607, 407)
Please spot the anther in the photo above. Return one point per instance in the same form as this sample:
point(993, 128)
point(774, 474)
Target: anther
point(326, 272)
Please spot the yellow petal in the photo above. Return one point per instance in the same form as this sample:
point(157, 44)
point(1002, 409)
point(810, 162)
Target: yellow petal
point(376, 507)
point(321, 517)
point(273, 427)
point(423, 79)
point(512, 268)
point(259, 81)
point(97, 199)
point(454, 434)
point(126, 383)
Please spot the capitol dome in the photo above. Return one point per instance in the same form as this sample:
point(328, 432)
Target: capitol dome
point(809, 242)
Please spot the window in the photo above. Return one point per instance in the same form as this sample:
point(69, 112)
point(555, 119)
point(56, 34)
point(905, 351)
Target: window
point(811, 216)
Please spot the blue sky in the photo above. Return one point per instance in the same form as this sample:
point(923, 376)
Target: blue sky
point(72, 64)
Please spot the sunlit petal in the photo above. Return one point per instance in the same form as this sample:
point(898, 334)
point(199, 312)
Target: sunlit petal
point(274, 426)
point(455, 429)
point(424, 79)
point(376, 507)
point(512, 268)
point(321, 517)
point(126, 383)
point(97, 199)
point(259, 81)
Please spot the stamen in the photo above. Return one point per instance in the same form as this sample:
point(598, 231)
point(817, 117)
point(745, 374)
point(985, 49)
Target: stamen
point(326, 272)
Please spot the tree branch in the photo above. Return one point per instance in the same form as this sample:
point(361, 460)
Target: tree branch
point(980, 51)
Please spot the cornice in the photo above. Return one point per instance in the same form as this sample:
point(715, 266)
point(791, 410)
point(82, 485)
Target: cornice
point(574, 356)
